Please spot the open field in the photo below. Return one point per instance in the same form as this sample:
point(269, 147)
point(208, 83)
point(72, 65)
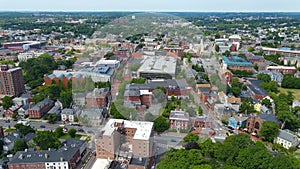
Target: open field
point(296, 92)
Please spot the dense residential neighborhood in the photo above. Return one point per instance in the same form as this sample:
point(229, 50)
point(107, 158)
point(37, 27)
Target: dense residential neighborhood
point(149, 90)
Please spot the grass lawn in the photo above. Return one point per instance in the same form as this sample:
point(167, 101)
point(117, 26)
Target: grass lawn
point(296, 92)
point(10, 130)
point(67, 136)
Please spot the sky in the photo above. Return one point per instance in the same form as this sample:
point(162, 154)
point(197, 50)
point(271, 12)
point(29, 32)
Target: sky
point(153, 5)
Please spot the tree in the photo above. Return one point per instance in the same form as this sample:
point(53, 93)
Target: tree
point(190, 137)
point(24, 129)
point(217, 48)
point(59, 132)
point(266, 102)
point(52, 118)
point(161, 124)
point(251, 49)
point(7, 102)
point(20, 145)
point(227, 53)
point(149, 117)
point(269, 130)
point(72, 132)
point(263, 77)
point(256, 67)
point(200, 111)
point(46, 139)
point(190, 159)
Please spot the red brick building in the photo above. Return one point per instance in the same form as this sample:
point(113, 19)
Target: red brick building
point(254, 123)
point(11, 81)
point(283, 69)
point(40, 109)
point(98, 98)
point(179, 120)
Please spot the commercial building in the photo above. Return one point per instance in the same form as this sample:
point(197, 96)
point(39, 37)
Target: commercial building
point(11, 81)
point(158, 67)
point(23, 46)
point(127, 139)
point(236, 63)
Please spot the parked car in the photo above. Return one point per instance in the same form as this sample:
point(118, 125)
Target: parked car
point(43, 126)
point(80, 130)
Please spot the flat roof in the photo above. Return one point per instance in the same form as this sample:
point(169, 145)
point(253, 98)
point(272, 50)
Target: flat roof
point(159, 64)
point(282, 67)
point(143, 128)
point(101, 164)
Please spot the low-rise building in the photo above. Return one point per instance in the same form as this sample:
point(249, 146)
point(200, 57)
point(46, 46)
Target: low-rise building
point(287, 139)
point(254, 123)
point(179, 119)
point(68, 115)
point(236, 63)
point(99, 97)
point(40, 109)
point(66, 157)
point(283, 69)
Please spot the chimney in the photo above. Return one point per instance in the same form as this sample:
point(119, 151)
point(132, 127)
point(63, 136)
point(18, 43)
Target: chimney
point(46, 155)
point(140, 159)
point(26, 150)
point(61, 159)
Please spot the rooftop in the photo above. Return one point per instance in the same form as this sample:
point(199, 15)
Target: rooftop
point(143, 129)
point(179, 115)
point(159, 64)
point(288, 136)
point(236, 61)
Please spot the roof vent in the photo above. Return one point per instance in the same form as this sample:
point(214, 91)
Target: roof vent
point(46, 155)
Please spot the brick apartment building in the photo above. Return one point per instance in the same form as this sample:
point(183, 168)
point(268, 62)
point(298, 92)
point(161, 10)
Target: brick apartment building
point(11, 81)
point(179, 120)
point(236, 63)
point(128, 139)
point(283, 69)
point(40, 109)
point(66, 157)
point(98, 98)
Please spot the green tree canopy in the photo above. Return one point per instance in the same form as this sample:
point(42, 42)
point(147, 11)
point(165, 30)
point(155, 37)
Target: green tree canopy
point(190, 137)
point(7, 102)
point(72, 132)
point(20, 145)
point(269, 130)
point(46, 139)
point(161, 124)
point(24, 129)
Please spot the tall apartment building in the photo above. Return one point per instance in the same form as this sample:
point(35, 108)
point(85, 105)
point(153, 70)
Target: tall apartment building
point(11, 81)
point(128, 139)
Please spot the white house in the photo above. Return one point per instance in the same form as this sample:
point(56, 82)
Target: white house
point(287, 139)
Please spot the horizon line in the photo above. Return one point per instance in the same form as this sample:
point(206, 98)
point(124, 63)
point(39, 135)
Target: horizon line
point(148, 11)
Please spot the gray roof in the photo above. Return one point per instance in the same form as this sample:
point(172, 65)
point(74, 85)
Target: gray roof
point(68, 111)
point(41, 104)
point(255, 87)
point(288, 136)
point(52, 155)
point(269, 117)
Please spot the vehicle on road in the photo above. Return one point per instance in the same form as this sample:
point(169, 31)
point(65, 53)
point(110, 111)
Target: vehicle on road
point(42, 126)
point(80, 130)
point(173, 140)
point(7, 121)
point(24, 122)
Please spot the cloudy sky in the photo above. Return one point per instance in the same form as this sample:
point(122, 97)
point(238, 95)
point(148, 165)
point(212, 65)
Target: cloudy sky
point(152, 5)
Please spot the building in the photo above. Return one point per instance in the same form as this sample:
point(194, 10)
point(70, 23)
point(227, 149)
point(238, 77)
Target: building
point(236, 63)
point(23, 46)
point(254, 123)
point(275, 76)
point(283, 51)
point(283, 69)
point(125, 138)
point(9, 141)
point(255, 90)
point(40, 109)
point(237, 121)
point(225, 76)
point(99, 97)
point(287, 139)
point(179, 120)
point(66, 157)
point(202, 122)
point(11, 81)
point(68, 115)
point(158, 67)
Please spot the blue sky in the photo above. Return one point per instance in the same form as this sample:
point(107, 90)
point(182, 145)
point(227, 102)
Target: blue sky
point(152, 5)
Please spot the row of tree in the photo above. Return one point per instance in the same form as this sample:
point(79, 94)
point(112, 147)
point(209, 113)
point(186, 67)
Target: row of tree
point(237, 152)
